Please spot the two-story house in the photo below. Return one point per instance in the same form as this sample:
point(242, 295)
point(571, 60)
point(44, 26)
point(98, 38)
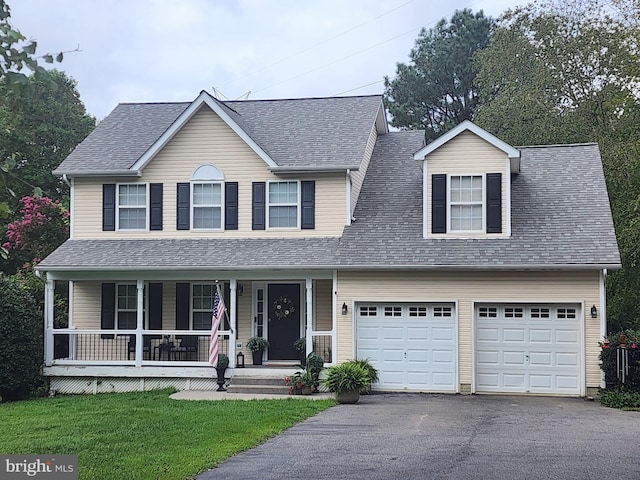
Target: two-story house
point(466, 265)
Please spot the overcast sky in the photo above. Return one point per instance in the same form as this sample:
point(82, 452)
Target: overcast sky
point(170, 50)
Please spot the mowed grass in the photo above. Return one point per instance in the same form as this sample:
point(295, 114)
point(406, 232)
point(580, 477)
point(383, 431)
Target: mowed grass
point(145, 435)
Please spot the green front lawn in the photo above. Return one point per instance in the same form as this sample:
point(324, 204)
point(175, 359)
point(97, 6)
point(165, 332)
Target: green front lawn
point(145, 435)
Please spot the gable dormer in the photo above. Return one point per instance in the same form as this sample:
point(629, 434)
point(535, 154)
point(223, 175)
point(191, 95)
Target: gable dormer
point(467, 184)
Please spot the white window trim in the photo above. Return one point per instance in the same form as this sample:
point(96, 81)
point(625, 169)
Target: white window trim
point(193, 207)
point(484, 204)
point(146, 207)
point(145, 307)
point(298, 205)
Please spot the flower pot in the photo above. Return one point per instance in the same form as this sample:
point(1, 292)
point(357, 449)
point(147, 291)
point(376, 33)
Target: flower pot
point(257, 356)
point(220, 379)
point(306, 390)
point(348, 396)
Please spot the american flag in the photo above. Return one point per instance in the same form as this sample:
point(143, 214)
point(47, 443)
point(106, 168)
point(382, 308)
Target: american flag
point(218, 315)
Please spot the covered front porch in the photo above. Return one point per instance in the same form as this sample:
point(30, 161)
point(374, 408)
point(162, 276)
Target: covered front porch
point(142, 330)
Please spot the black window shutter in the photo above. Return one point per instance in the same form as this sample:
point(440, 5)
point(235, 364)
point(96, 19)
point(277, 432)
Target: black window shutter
point(183, 206)
point(108, 207)
point(231, 206)
point(108, 308)
point(155, 306)
point(494, 203)
point(258, 206)
point(439, 203)
point(308, 193)
point(182, 306)
point(155, 202)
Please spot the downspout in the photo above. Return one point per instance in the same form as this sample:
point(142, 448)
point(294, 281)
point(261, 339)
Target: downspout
point(66, 180)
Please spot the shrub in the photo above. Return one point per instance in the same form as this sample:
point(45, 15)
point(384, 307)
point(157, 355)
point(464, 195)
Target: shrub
point(620, 399)
point(21, 340)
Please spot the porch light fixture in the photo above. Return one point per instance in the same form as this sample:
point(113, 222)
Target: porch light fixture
point(240, 289)
point(594, 312)
point(344, 309)
point(240, 360)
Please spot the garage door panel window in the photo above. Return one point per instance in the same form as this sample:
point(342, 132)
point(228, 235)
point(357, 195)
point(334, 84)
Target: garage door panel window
point(442, 311)
point(417, 311)
point(540, 313)
point(488, 312)
point(368, 311)
point(394, 311)
point(566, 313)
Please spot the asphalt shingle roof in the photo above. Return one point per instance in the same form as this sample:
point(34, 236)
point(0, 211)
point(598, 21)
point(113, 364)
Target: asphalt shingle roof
point(308, 132)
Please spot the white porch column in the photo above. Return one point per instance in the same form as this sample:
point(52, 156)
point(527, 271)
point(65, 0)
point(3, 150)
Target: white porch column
point(334, 319)
point(233, 322)
point(140, 322)
point(48, 322)
point(309, 321)
point(72, 338)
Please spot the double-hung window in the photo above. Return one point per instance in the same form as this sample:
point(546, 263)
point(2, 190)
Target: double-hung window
point(207, 205)
point(126, 306)
point(466, 205)
point(283, 204)
point(132, 206)
point(202, 297)
point(202, 306)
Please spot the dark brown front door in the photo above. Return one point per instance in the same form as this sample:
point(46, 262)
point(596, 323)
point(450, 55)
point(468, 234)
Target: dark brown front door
point(284, 320)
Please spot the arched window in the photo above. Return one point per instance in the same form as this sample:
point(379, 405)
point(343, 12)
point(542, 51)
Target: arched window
point(207, 198)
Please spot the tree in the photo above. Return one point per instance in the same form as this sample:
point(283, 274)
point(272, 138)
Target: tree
point(38, 129)
point(437, 89)
point(568, 71)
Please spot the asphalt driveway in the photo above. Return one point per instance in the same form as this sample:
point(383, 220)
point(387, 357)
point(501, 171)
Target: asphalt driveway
point(407, 436)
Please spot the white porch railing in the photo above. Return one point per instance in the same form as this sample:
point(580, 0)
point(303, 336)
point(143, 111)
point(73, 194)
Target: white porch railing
point(121, 347)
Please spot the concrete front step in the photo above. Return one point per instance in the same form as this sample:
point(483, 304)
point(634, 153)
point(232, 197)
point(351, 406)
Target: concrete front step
point(261, 385)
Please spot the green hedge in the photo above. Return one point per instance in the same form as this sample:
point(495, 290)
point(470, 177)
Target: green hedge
point(21, 340)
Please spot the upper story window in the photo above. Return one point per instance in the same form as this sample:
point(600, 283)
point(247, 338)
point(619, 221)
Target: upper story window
point(466, 204)
point(207, 198)
point(132, 206)
point(282, 204)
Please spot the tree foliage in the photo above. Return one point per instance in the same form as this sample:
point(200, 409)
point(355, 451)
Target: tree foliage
point(18, 53)
point(38, 129)
point(563, 72)
point(437, 89)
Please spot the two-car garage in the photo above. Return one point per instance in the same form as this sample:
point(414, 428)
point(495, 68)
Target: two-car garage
point(517, 348)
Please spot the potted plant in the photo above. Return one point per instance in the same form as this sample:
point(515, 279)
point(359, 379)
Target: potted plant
point(221, 368)
point(257, 346)
point(371, 371)
point(302, 383)
point(347, 380)
point(301, 345)
point(314, 365)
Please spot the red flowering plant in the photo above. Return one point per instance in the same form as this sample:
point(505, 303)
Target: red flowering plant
point(43, 226)
point(298, 381)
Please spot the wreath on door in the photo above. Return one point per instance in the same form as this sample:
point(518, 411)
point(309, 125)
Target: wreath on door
point(283, 307)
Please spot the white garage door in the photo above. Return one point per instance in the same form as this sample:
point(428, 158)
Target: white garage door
point(528, 349)
point(411, 345)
